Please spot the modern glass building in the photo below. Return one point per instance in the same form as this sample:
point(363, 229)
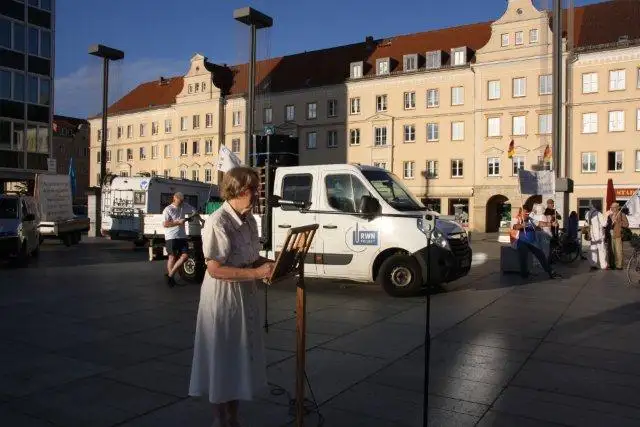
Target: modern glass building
point(27, 29)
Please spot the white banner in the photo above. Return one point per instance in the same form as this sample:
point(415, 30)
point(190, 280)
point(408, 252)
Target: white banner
point(227, 160)
point(537, 182)
point(633, 204)
point(53, 193)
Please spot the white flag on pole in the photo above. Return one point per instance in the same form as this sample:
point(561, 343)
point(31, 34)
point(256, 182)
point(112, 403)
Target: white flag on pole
point(227, 160)
point(633, 204)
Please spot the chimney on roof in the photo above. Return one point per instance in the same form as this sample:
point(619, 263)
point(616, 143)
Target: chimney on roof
point(369, 42)
point(163, 81)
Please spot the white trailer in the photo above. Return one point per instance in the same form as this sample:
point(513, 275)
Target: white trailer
point(126, 201)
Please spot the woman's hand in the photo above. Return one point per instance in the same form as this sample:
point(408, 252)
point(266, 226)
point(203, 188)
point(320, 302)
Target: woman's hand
point(264, 270)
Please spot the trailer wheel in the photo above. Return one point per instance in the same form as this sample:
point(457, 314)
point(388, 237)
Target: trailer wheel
point(67, 239)
point(400, 276)
point(192, 270)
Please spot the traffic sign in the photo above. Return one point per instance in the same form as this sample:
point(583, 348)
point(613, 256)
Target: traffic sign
point(269, 130)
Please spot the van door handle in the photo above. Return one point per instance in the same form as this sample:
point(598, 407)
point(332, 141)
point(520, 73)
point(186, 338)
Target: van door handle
point(284, 226)
point(331, 226)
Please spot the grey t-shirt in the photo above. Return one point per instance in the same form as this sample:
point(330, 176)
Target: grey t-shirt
point(172, 213)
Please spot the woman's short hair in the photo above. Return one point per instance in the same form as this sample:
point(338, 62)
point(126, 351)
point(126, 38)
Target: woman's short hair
point(238, 180)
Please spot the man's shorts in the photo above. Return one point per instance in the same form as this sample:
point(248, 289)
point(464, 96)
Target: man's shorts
point(177, 247)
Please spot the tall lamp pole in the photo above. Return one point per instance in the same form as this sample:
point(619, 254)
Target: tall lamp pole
point(107, 54)
point(255, 20)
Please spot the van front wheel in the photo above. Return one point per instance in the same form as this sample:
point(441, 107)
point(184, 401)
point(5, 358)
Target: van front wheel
point(400, 276)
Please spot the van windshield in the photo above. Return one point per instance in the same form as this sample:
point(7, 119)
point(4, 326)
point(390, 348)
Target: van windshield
point(8, 208)
point(392, 190)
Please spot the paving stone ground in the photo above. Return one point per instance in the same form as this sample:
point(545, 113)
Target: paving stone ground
point(92, 337)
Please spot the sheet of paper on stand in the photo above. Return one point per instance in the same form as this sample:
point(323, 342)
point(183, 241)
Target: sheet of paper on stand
point(633, 204)
point(227, 160)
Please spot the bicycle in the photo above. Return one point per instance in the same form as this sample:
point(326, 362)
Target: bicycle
point(565, 249)
point(633, 265)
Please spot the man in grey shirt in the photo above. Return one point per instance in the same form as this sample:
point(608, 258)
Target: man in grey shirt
point(175, 235)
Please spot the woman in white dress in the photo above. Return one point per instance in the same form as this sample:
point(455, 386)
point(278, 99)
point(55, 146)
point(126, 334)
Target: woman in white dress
point(228, 356)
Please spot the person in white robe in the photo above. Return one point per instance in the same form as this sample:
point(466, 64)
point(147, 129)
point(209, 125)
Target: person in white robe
point(596, 222)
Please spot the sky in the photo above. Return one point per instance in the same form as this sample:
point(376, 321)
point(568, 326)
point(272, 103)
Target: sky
point(160, 36)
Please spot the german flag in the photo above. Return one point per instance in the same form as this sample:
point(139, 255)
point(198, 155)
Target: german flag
point(547, 153)
point(512, 149)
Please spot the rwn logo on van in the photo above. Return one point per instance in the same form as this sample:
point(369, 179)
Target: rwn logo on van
point(365, 237)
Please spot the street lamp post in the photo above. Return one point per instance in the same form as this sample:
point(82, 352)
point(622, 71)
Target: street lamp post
point(107, 54)
point(255, 20)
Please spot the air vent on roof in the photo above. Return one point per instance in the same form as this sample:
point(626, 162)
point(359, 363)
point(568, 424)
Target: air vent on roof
point(163, 81)
point(369, 42)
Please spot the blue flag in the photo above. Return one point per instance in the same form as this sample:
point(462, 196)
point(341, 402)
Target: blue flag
point(72, 176)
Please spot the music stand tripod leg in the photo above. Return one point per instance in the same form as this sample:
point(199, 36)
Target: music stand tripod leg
point(301, 332)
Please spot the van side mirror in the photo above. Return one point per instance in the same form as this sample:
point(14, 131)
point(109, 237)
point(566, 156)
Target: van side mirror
point(369, 205)
point(29, 217)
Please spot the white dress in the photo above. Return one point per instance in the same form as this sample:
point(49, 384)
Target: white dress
point(597, 247)
point(228, 355)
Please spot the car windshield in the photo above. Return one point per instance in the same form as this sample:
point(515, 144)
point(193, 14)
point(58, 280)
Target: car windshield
point(8, 208)
point(392, 190)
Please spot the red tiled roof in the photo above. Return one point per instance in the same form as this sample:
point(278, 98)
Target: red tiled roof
point(593, 24)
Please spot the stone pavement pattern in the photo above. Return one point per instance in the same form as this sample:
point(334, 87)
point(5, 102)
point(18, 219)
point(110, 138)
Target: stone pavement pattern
point(91, 337)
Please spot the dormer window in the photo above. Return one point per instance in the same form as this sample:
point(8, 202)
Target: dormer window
point(204, 86)
point(197, 87)
point(433, 59)
point(382, 66)
point(519, 38)
point(505, 40)
point(356, 70)
point(410, 62)
point(459, 56)
point(190, 88)
point(533, 36)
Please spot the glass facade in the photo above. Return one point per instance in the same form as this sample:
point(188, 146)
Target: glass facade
point(26, 61)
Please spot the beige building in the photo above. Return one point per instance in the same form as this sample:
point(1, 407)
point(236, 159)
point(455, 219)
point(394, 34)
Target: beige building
point(438, 108)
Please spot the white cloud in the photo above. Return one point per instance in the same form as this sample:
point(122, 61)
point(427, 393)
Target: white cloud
point(79, 93)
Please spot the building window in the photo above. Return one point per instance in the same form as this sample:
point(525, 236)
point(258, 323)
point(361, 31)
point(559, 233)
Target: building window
point(409, 100)
point(195, 147)
point(208, 146)
point(433, 132)
point(129, 131)
point(432, 169)
point(119, 132)
point(332, 108)
point(589, 162)
point(409, 133)
point(616, 121)
point(617, 79)
point(235, 145)
point(312, 110)
point(196, 122)
point(589, 122)
point(585, 204)
point(332, 139)
point(120, 155)
point(354, 106)
point(312, 142)
point(638, 119)
point(457, 168)
point(354, 137)
point(519, 38)
point(356, 70)
point(637, 160)
point(183, 123)
point(208, 119)
point(519, 125)
point(38, 88)
point(195, 175)
point(381, 103)
point(382, 66)
point(380, 136)
point(615, 161)
point(166, 173)
point(142, 154)
point(154, 128)
point(457, 95)
point(129, 154)
point(433, 98)
point(108, 155)
point(457, 131)
point(494, 89)
point(267, 115)
point(519, 87)
point(381, 165)
point(183, 148)
point(12, 35)
point(546, 164)
point(504, 40)
point(236, 118)
point(39, 42)
point(493, 126)
point(410, 62)
point(546, 84)
point(183, 174)
point(493, 166)
point(433, 59)
point(638, 78)
point(407, 169)
point(432, 204)
point(290, 113)
point(459, 56)
point(590, 83)
point(544, 124)
point(207, 175)
point(167, 150)
point(518, 164)
point(154, 151)
point(533, 36)
point(142, 126)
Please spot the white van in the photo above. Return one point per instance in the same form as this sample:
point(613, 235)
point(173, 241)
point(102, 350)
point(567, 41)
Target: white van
point(19, 233)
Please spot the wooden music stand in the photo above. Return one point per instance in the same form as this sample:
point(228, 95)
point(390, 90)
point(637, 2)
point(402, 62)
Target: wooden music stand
point(290, 261)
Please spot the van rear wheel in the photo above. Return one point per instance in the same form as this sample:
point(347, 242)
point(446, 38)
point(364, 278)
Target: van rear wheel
point(192, 269)
point(400, 276)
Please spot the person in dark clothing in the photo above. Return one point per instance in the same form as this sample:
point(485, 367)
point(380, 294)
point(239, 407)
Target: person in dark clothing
point(552, 212)
point(527, 242)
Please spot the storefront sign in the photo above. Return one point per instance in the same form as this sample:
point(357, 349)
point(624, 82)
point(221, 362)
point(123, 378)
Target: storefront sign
point(625, 192)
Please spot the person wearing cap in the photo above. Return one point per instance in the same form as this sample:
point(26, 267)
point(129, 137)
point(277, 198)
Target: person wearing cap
point(175, 235)
point(619, 221)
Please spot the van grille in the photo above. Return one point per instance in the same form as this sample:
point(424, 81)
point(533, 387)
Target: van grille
point(459, 245)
